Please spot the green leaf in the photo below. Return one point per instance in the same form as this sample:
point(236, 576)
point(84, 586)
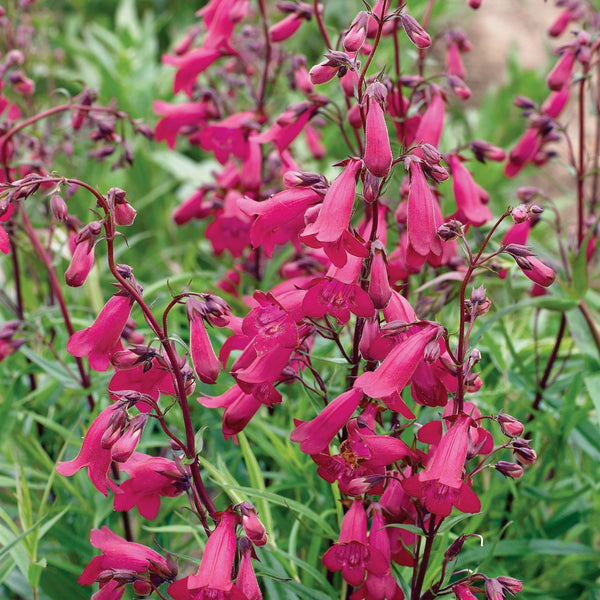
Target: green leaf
point(592, 383)
point(257, 481)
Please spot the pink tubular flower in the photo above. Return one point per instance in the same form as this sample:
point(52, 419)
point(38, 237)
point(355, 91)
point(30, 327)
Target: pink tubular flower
point(314, 436)
point(330, 296)
point(440, 486)
point(289, 124)
point(150, 478)
point(189, 66)
point(351, 554)
point(423, 214)
point(206, 364)
point(94, 454)
point(147, 377)
point(81, 263)
point(252, 525)
point(239, 406)
point(103, 338)
point(560, 76)
point(246, 579)
point(378, 152)
point(398, 366)
point(429, 130)
point(537, 271)
point(334, 216)
point(279, 218)
point(228, 137)
point(123, 562)
point(286, 28)
point(213, 579)
point(467, 194)
point(379, 587)
point(523, 152)
point(178, 116)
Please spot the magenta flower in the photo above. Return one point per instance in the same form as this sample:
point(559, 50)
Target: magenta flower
point(441, 486)
point(431, 123)
point(123, 562)
point(330, 296)
point(103, 338)
point(334, 216)
point(179, 116)
point(239, 406)
point(424, 216)
point(246, 579)
point(378, 152)
point(81, 263)
point(189, 66)
point(314, 436)
point(471, 208)
point(147, 377)
point(279, 218)
point(231, 228)
point(379, 587)
point(288, 125)
point(150, 478)
point(206, 364)
point(94, 454)
point(398, 366)
point(560, 76)
point(213, 579)
point(351, 554)
point(228, 137)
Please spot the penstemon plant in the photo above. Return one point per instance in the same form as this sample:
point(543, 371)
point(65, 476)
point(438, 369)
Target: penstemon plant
point(367, 287)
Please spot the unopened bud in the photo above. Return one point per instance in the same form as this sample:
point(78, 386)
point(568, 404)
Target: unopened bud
point(509, 425)
point(510, 584)
point(451, 230)
point(252, 525)
point(482, 150)
point(128, 442)
point(523, 451)
point(114, 429)
point(416, 34)
point(508, 469)
point(524, 103)
point(58, 207)
point(518, 251)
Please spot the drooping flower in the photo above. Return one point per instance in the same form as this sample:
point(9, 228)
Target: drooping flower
point(424, 216)
point(441, 485)
point(95, 453)
point(314, 436)
point(395, 371)
point(121, 563)
point(379, 587)
point(378, 152)
point(213, 579)
point(246, 579)
point(102, 339)
point(335, 213)
point(352, 555)
point(151, 477)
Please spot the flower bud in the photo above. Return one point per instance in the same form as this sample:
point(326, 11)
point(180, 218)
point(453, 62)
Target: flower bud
point(416, 34)
point(451, 230)
point(509, 425)
point(114, 429)
point(252, 525)
point(356, 35)
point(126, 445)
point(523, 452)
point(508, 469)
point(58, 207)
